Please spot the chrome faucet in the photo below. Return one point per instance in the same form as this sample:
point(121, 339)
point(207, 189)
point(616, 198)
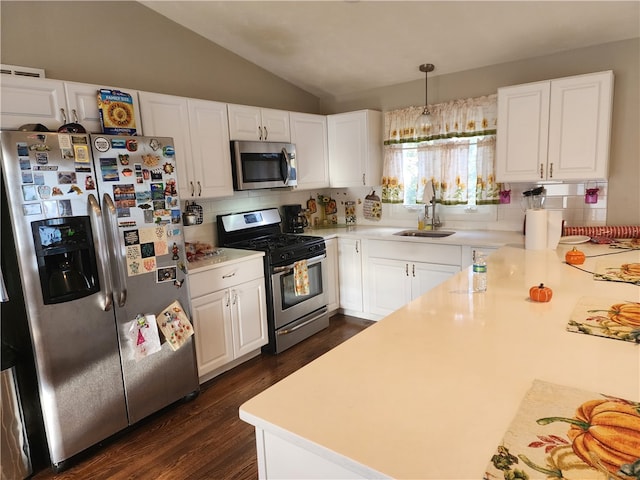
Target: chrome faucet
point(435, 220)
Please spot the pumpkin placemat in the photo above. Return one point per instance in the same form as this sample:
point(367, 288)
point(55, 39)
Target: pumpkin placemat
point(566, 433)
point(618, 271)
point(606, 317)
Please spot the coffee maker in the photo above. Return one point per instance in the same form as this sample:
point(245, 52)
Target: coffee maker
point(294, 219)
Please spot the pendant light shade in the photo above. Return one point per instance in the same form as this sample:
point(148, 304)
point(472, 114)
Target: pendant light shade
point(423, 122)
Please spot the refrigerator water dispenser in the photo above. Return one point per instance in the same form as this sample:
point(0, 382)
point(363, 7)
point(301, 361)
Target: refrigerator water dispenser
point(66, 258)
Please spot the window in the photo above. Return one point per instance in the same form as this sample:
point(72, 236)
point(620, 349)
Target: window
point(414, 195)
point(455, 154)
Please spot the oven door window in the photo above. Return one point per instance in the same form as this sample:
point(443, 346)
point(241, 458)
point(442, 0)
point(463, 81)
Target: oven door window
point(288, 289)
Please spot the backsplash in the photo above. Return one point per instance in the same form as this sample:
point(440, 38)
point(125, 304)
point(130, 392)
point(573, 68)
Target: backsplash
point(568, 197)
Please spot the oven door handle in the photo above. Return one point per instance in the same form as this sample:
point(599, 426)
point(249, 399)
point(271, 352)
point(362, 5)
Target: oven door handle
point(287, 331)
point(288, 268)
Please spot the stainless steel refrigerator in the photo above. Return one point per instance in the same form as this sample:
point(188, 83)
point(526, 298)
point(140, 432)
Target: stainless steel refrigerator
point(100, 253)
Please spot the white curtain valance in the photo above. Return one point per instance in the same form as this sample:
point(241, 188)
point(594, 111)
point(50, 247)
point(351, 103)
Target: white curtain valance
point(458, 118)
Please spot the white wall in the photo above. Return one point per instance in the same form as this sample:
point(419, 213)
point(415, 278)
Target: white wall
point(623, 192)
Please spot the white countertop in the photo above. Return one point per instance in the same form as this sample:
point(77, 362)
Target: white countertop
point(226, 256)
point(477, 238)
point(429, 391)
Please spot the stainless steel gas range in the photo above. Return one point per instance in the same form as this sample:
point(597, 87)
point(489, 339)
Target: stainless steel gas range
point(295, 279)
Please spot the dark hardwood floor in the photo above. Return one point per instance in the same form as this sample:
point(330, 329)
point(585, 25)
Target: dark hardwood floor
point(203, 438)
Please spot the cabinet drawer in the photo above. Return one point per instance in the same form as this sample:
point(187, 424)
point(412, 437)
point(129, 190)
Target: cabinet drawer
point(225, 276)
point(417, 252)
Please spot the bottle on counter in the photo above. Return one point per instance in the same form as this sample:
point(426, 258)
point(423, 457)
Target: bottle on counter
point(479, 272)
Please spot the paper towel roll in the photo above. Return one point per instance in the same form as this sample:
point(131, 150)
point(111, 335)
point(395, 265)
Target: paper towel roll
point(554, 228)
point(536, 228)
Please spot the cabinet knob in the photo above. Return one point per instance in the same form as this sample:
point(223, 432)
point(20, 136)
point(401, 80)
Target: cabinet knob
point(551, 170)
point(541, 171)
point(199, 188)
point(266, 133)
point(192, 187)
point(259, 133)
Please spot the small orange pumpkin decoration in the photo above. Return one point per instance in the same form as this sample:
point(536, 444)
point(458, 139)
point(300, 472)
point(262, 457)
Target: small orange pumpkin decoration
point(574, 257)
point(540, 293)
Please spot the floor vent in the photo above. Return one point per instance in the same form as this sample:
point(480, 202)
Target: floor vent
point(17, 71)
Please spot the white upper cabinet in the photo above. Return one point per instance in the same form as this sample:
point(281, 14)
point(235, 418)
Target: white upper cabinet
point(309, 134)
point(82, 105)
point(555, 130)
point(211, 160)
point(355, 148)
point(258, 124)
point(51, 102)
point(580, 126)
point(201, 139)
point(32, 100)
point(168, 116)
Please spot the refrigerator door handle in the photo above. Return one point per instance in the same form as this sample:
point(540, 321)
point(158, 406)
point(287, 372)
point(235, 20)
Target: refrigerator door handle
point(103, 256)
point(111, 220)
point(4, 296)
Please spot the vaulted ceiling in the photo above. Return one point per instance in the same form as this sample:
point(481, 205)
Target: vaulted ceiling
point(333, 48)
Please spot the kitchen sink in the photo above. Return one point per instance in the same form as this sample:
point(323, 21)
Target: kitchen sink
point(425, 233)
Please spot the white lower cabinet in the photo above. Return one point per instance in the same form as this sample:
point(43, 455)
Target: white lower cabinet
point(333, 285)
point(394, 283)
point(350, 274)
point(229, 315)
point(280, 458)
point(398, 272)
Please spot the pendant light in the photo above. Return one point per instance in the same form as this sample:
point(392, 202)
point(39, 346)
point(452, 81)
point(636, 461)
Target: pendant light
point(423, 122)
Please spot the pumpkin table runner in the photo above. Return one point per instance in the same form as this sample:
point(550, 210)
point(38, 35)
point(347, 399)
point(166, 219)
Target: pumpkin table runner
point(566, 433)
point(606, 317)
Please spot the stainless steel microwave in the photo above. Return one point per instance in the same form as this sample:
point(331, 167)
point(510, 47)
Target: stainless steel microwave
point(258, 165)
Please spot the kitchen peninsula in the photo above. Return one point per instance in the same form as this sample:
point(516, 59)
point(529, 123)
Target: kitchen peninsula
point(429, 391)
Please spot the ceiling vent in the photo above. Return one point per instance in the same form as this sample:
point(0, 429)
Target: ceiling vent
point(17, 71)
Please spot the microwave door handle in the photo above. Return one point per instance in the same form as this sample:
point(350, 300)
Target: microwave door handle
point(116, 254)
point(286, 171)
point(95, 215)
